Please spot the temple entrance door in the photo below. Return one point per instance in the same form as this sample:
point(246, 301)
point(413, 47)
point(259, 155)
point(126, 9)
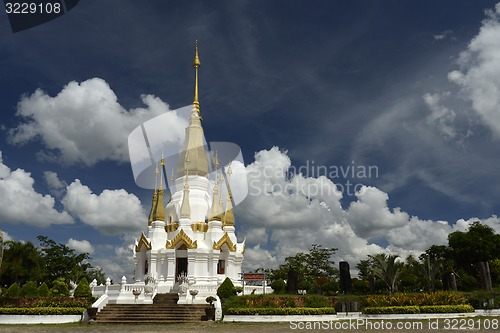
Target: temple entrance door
point(181, 267)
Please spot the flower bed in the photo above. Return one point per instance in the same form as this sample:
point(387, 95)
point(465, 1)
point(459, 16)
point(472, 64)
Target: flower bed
point(280, 311)
point(411, 309)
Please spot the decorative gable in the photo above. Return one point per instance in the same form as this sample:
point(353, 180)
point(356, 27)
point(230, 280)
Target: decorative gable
point(182, 237)
point(143, 242)
point(225, 240)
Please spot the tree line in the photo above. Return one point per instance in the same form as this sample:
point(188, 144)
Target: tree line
point(51, 263)
point(470, 261)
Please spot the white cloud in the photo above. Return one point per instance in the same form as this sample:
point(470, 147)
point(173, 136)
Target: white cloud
point(112, 212)
point(441, 116)
point(84, 123)
point(278, 201)
point(479, 75)
point(255, 257)
point(280, 223)
point(289, 213)
point(20, 202)
point(56, 186)
point(419, 235)
point(445, 34)
point(6, 236)
point(80, 246)
point(370, 216)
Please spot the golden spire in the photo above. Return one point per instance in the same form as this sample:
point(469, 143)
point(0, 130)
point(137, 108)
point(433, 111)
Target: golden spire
point(229, 216)
point(155, 194)
point(159, 214)
point(196, 65)
point(185, 208)
point(216, 210)
point(194, 140)
point(216, 164)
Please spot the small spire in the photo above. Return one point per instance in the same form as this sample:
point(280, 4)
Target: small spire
point(185, 207)
point(229, 215)
point(155, 198)
point(216, 210)
point(159, 212)
point(196, 65)
point(162, 167)
point(153, 207)
point(216, 160)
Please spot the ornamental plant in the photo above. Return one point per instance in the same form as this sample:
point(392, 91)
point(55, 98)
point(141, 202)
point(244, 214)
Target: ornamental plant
point(29, 290)
point(43, 290)
point(83, 289)
point(226, 289)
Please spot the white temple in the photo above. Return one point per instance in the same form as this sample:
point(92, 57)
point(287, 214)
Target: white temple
point(190, 243)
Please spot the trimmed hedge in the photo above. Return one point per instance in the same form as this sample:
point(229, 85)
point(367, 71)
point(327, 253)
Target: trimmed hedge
point(55, 302)
point(41, 311)
point(410, 309)
point(461, 308)
point(446, 308)
point(280, 311)
point(279, 301)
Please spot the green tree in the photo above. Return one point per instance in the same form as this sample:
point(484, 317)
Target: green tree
point(63, 262)
point(97, 274)
point(279, 286)
point(43, 290)
point(83, 289)
point(13, 291)
point(444, 255)
point(386, 268)
point(226, 289)
point(29, 289)
point(59, 288)
point(410, 279)
point(476, 247)
point(22, 262)
point(313, 269)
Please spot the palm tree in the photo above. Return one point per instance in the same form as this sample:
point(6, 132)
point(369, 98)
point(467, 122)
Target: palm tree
point(385, 267)
point(430, 270)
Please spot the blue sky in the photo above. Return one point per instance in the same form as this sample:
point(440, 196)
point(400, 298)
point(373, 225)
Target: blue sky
point(408, 87)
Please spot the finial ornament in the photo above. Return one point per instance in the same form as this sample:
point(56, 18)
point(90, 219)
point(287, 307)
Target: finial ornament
point(196, 65)
point(216, 160)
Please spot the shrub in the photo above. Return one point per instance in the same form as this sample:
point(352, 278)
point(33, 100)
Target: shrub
point(41, 311)
point(13, 291)
point(392, 309)
point(442, 298)
point(279, 286)
point(43, 290)
point(400, 299)
point(467, 282)
point(83, 289)
point(446, 308)
point(419, 309)
point(226, 289)
point(59, 288)
point(279, 311)
point(80, 302)
point(210, 300)
point(316, 301)
point(29, 290)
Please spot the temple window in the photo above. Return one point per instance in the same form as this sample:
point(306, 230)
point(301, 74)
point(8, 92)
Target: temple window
point(221, 267)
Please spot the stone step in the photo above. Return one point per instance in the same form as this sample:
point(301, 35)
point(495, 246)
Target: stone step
point(166, 311)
